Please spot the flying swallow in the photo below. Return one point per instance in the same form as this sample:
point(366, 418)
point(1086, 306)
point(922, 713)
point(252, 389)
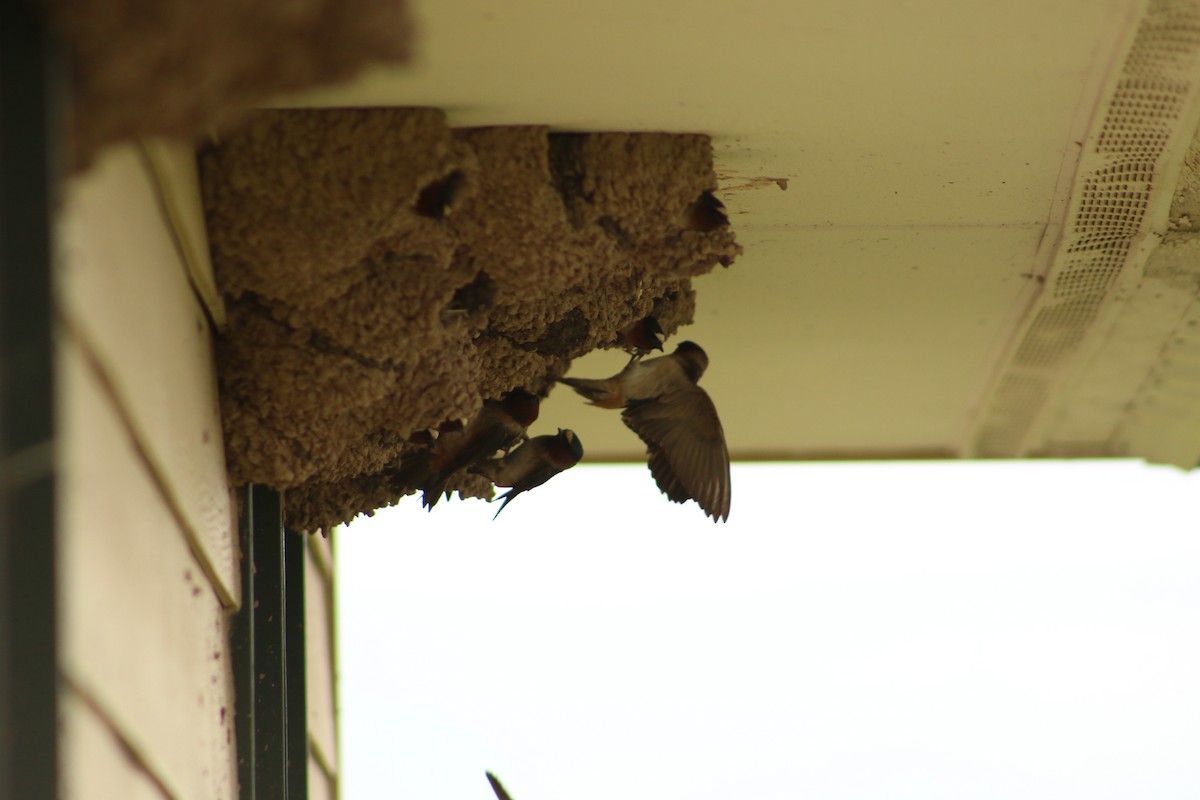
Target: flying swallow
point(642, 337)
point(707, 213)
point(497, 426)
point(531, 464)
point(677, 421)
point(497, 787)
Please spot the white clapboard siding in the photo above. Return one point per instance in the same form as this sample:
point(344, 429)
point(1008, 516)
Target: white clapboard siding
point(125, 291)
point(96, 765)
point(173, 166)
point(144, 634)
point(319, 647)
point(322, 548)
point(320, 787)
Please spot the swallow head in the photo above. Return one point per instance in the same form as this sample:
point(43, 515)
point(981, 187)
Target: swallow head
point(693, 360)
point(643, 336)
point(653, 332)
point(571, 442)
point(521, 406)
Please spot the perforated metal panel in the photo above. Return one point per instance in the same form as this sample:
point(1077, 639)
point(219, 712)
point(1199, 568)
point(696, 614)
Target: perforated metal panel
point(1127, 174)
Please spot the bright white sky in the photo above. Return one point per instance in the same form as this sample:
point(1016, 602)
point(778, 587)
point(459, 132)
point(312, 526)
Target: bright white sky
point(892, 631)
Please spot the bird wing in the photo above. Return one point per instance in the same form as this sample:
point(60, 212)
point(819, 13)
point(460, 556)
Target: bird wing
point(480, 445)
point(543, 472)
point(687, 453)
point(497, 787)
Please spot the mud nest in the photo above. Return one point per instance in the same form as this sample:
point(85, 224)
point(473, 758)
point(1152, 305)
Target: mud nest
point(385, 274)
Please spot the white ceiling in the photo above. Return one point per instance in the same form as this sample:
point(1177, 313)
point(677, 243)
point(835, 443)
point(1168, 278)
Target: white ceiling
point(924, 145)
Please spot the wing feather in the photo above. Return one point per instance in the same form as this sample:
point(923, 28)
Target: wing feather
point(497, 787)
point(686, 444)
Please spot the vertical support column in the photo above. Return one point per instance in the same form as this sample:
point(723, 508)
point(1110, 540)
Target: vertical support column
point(242, 637)
point(268, 645)
point(297, 658)
point(29, 139)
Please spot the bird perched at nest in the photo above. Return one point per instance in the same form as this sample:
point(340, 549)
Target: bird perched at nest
point(497, 426)
point(531, 464)
point(642, 337)
point(677, 421)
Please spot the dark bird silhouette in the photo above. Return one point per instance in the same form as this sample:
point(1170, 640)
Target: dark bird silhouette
point(436, 200)
point(677, 421)
point(497, 787)
point(707, 213)
point(531, 464)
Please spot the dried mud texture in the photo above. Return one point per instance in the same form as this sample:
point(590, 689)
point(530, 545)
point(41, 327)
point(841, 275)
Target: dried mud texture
point(177, 68)
point(385, 273)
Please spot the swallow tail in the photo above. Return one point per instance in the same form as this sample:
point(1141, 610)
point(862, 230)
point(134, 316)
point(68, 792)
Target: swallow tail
point(599, 392)
point(412, 474)
point(505, 498)
point(431, 493)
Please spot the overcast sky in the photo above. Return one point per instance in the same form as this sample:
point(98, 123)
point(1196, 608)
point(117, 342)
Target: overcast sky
point(933, 630)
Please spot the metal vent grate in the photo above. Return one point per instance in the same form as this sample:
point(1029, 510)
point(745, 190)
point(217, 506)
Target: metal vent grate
point(1119, 197)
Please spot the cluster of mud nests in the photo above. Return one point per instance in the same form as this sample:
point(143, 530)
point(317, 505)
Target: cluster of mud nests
point(385, 274)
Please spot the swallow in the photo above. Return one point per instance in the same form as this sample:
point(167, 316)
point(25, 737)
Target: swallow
point(497, 426)
point(531, 464)
point(676, 420)
point(497, 787)
point(642, 337)
point(707, 213)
